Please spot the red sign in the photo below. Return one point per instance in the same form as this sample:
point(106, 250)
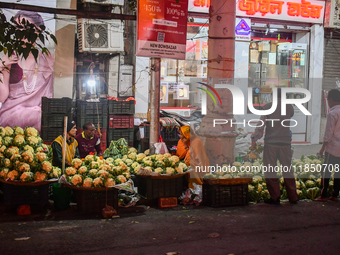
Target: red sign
point(295, 10)
point(310, 11)
point(162, 28)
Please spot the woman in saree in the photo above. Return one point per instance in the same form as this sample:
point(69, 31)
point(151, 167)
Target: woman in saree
point(194, 154)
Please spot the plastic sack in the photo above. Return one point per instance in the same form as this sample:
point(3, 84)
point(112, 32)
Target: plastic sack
point(161, 148)
point(192, 196)
point(242, 146)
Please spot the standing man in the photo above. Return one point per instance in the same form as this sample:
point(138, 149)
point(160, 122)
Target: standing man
point(277, 146)
point(88, 141)
point(71, 146)
point(331, 144)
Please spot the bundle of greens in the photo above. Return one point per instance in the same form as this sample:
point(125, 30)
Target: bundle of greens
point(117, 149)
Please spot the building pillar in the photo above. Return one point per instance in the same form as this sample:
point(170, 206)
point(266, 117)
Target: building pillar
point(220, 140)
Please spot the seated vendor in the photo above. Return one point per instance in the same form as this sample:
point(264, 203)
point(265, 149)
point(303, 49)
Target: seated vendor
point(71, 146)
point(182, 148)
point(195, 154)
point(88, 141)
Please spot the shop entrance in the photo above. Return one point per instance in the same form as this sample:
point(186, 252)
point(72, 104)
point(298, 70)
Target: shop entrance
point(273, 63)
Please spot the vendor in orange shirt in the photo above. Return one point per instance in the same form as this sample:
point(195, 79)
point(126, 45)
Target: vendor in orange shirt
point(191, 149)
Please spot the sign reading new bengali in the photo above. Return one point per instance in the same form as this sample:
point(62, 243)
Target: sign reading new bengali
point(162, 28)
point(293, 10)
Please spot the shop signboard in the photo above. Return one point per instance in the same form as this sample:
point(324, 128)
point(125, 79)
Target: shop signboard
point(293, 10)
point(332, 14)
point(243, 29)
point(311, 11)
point(162, 28)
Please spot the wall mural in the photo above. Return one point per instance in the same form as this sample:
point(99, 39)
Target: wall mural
point(22, 88)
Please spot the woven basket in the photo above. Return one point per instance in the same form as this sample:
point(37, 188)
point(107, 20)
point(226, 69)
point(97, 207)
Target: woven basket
point(211, 181)
point(35, 183)
point(235, 181)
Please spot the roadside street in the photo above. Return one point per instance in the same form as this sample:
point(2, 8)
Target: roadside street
point(307, 228)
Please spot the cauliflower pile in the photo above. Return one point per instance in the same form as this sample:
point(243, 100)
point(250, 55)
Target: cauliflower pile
point(306, 171)
point(93, 171)
point(162, 164)
point(23, 156)
point(96, 172)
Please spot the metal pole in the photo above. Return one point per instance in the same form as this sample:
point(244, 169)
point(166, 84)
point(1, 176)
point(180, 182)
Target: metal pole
point(64, 144)
point(154, 103)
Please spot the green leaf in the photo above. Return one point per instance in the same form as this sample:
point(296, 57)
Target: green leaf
point(42, 38)
point(26, 52)
point(54, 38)
point(35, 53)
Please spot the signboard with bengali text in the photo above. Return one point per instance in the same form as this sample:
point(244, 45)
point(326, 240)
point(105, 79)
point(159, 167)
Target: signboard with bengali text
point(162, 28)
point(292, 10)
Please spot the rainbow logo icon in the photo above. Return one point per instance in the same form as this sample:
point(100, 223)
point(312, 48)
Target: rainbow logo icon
point(209, 93)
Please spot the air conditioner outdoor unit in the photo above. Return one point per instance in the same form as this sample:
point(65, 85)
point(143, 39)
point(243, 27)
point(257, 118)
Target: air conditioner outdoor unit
point(100, 35)
point(113, 2)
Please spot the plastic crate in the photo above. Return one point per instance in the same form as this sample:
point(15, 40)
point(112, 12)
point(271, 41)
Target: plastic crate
point(151, 188)
point(85, 108)
point(114, 134)
point(53, 120)
point(169, 134)
point(81, 120)
point(121, 107)
point(225, 195)
point(120, 121)
point(147, 131)
point(48, 134)
point(25, 195)
point(94, 201)
point(166, 202)
point(56, 105)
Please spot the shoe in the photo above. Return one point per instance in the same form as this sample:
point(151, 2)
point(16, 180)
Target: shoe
point(272, 202)
point(320, 199)
point(335, 199)
point(293, 202)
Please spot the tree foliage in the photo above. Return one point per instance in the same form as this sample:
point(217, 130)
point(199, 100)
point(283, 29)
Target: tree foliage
point(23, 38)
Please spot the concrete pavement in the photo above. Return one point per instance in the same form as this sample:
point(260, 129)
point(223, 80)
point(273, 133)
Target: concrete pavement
point(305, 149)
point(305, 228)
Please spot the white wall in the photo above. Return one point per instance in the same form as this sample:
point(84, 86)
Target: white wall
point(142, 85)
point(315, 81)
point(64, 57)
point(241, 72)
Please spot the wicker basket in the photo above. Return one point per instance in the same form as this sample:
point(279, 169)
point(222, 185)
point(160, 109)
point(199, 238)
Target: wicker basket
point(231, 181)
point(225, 195)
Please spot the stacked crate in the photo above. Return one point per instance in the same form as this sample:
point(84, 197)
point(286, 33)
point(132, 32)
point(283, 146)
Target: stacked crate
point(94, 112)
point(53, 111)
point(121, 121)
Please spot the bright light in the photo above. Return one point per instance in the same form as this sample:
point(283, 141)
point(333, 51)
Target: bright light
point(272, 30)
point(91, 83)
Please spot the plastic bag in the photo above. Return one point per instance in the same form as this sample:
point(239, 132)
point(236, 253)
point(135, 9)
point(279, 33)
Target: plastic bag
point(242, 146)
point(192, 196)
point(161, 148)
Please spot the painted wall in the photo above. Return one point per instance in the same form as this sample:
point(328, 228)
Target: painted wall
point(64, 51)
point(28, 81)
